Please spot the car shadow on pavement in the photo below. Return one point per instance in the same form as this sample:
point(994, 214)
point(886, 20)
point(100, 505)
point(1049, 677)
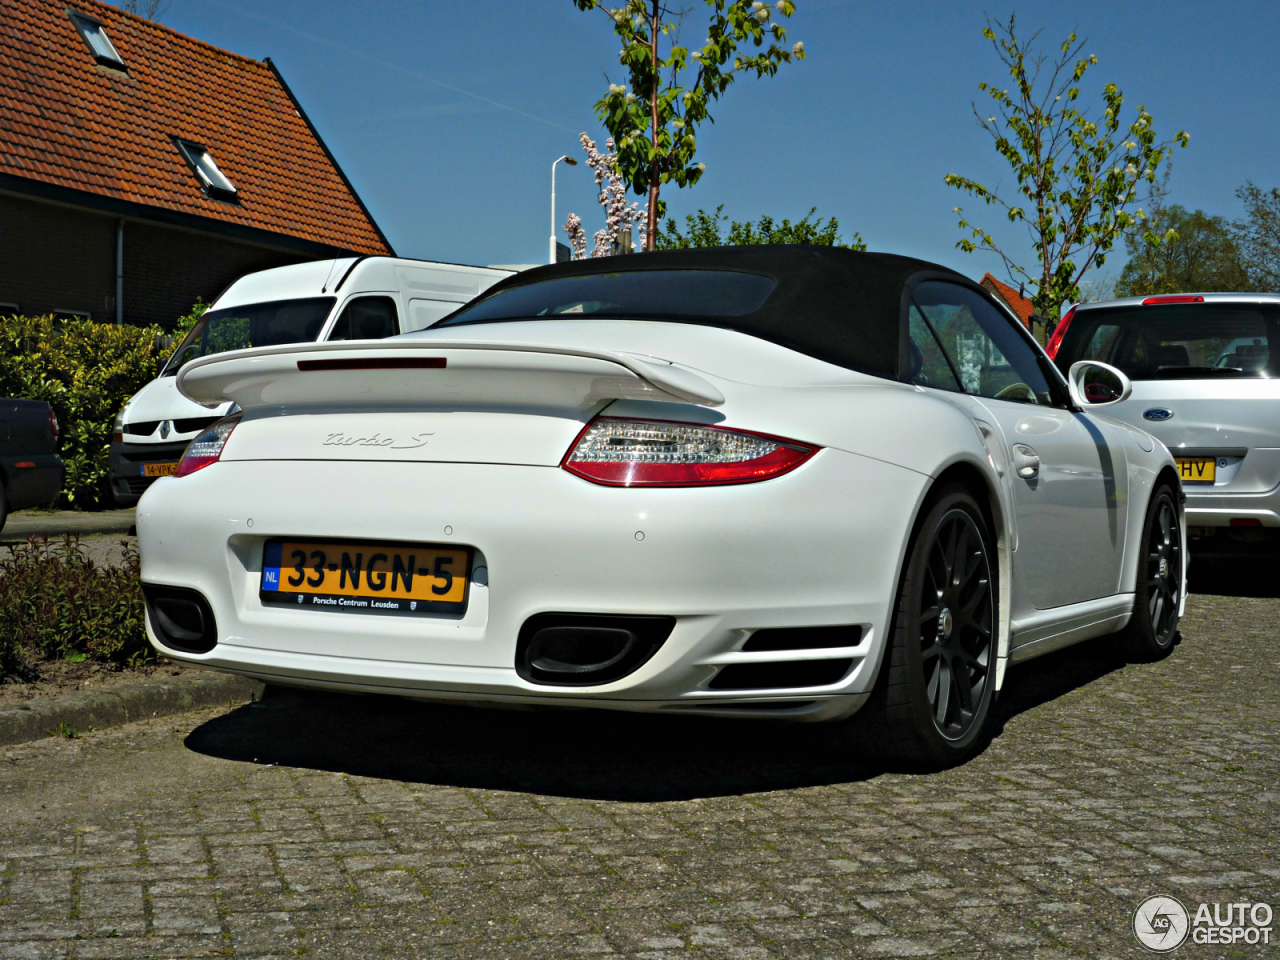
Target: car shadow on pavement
point(586, 754)
point(1252, 575)
point(1036, 682)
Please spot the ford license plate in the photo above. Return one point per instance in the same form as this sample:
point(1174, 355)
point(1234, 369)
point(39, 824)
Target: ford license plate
point(1197, 469)
point(355, 576)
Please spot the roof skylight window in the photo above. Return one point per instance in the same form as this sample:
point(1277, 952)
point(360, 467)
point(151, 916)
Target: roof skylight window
point(95, 35)
point(212, 179)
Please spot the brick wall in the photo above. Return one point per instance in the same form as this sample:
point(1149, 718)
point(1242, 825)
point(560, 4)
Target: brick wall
point(165, 269)
point(55, 258)
point(58, 258)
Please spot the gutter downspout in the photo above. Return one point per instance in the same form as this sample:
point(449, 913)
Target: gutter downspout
point(119, 273)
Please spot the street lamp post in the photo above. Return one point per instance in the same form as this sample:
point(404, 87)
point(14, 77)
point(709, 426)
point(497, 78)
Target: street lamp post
point(573, 163)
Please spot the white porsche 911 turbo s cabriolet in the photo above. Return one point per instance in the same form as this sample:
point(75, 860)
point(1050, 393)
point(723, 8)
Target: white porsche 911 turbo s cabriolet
point(788, 482)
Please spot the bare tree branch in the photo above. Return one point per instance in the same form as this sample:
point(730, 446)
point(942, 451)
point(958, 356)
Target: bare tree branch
point(149, 9)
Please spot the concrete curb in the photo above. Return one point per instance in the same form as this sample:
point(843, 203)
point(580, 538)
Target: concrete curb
point(26, 524)
point(112, 706)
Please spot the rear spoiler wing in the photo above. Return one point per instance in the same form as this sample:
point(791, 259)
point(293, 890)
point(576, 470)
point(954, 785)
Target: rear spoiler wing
point(436, 372)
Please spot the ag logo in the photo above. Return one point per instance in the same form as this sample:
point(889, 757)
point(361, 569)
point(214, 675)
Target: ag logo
point(1161, 923)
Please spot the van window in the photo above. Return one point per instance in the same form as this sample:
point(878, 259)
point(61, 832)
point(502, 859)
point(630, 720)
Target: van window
point(253, 325)
point(367, 318)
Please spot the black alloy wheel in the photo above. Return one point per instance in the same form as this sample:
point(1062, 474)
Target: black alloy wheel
point(936, 684)
point(955, 624)
point(1153, 629)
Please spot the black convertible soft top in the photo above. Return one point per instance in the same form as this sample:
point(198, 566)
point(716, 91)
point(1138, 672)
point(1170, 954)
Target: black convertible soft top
point(837, 305)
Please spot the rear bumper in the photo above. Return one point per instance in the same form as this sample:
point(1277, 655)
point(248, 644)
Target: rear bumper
point(820, 546)
point(1212, 509)
point(33, 480)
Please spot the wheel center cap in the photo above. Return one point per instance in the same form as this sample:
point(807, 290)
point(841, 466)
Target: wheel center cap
point(945, 622)
point(1164, 567)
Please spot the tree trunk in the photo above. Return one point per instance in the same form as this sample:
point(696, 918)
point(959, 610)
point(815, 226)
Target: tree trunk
point(651, 216)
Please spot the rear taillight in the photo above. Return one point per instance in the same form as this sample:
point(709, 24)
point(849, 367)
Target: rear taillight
point(1059, 332)
point(206, 448)
point(1173, 298)
point(660, 453)
point(53, 423)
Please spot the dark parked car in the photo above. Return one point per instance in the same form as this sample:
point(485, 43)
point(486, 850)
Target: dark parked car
point(30, 469)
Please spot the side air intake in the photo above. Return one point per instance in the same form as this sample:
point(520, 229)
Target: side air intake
point(783, 675)
point(804, 638)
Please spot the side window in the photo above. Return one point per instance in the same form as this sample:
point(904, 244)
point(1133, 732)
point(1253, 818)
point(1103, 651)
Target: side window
point(367, 318)
point(991, 357)
point(929, 366)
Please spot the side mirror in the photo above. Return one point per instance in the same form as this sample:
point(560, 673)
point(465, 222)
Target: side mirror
point(1096, 384)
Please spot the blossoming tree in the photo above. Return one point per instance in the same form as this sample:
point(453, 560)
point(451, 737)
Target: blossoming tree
point(655, 125)
point(618, 214)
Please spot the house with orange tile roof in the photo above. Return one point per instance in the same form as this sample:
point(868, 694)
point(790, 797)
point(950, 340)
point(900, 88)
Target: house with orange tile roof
point(1019, 303)
point(141, 169)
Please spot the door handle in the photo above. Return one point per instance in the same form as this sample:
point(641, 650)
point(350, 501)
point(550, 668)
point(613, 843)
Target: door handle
point(1026, 462)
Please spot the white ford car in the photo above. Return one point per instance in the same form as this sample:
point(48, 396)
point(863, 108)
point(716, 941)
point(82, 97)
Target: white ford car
point(757, 482)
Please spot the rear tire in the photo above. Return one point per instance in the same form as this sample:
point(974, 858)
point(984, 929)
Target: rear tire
point(932, 698)
point(1153, 629)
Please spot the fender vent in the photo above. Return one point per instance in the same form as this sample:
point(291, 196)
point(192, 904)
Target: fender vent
point(778, 676)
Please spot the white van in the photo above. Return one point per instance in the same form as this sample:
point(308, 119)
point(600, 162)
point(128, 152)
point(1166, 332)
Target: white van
point(354, 298)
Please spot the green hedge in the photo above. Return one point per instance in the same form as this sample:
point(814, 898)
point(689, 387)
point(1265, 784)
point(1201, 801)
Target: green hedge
point(85, 371)
point(57, 603)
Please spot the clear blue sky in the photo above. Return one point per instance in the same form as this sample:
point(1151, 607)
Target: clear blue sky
point(446, 116)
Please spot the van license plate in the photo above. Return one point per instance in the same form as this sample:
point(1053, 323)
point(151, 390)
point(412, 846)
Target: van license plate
point(160, 469)
point(1197, 469)
point(363, 576)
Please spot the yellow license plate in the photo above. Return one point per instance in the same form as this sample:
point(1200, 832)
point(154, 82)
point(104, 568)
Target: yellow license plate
point(160, 469)
point(1197, 469)
point(366, 576)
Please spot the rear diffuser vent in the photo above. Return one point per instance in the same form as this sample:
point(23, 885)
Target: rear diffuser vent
point(578, 650)
point(781, 676)
point(804, 638)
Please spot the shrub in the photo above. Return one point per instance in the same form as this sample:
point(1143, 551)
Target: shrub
point(187, 321)
point(57, 603)
point(85, 371)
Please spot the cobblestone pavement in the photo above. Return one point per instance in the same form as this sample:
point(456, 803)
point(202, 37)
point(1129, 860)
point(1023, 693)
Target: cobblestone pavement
point(364, 827)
